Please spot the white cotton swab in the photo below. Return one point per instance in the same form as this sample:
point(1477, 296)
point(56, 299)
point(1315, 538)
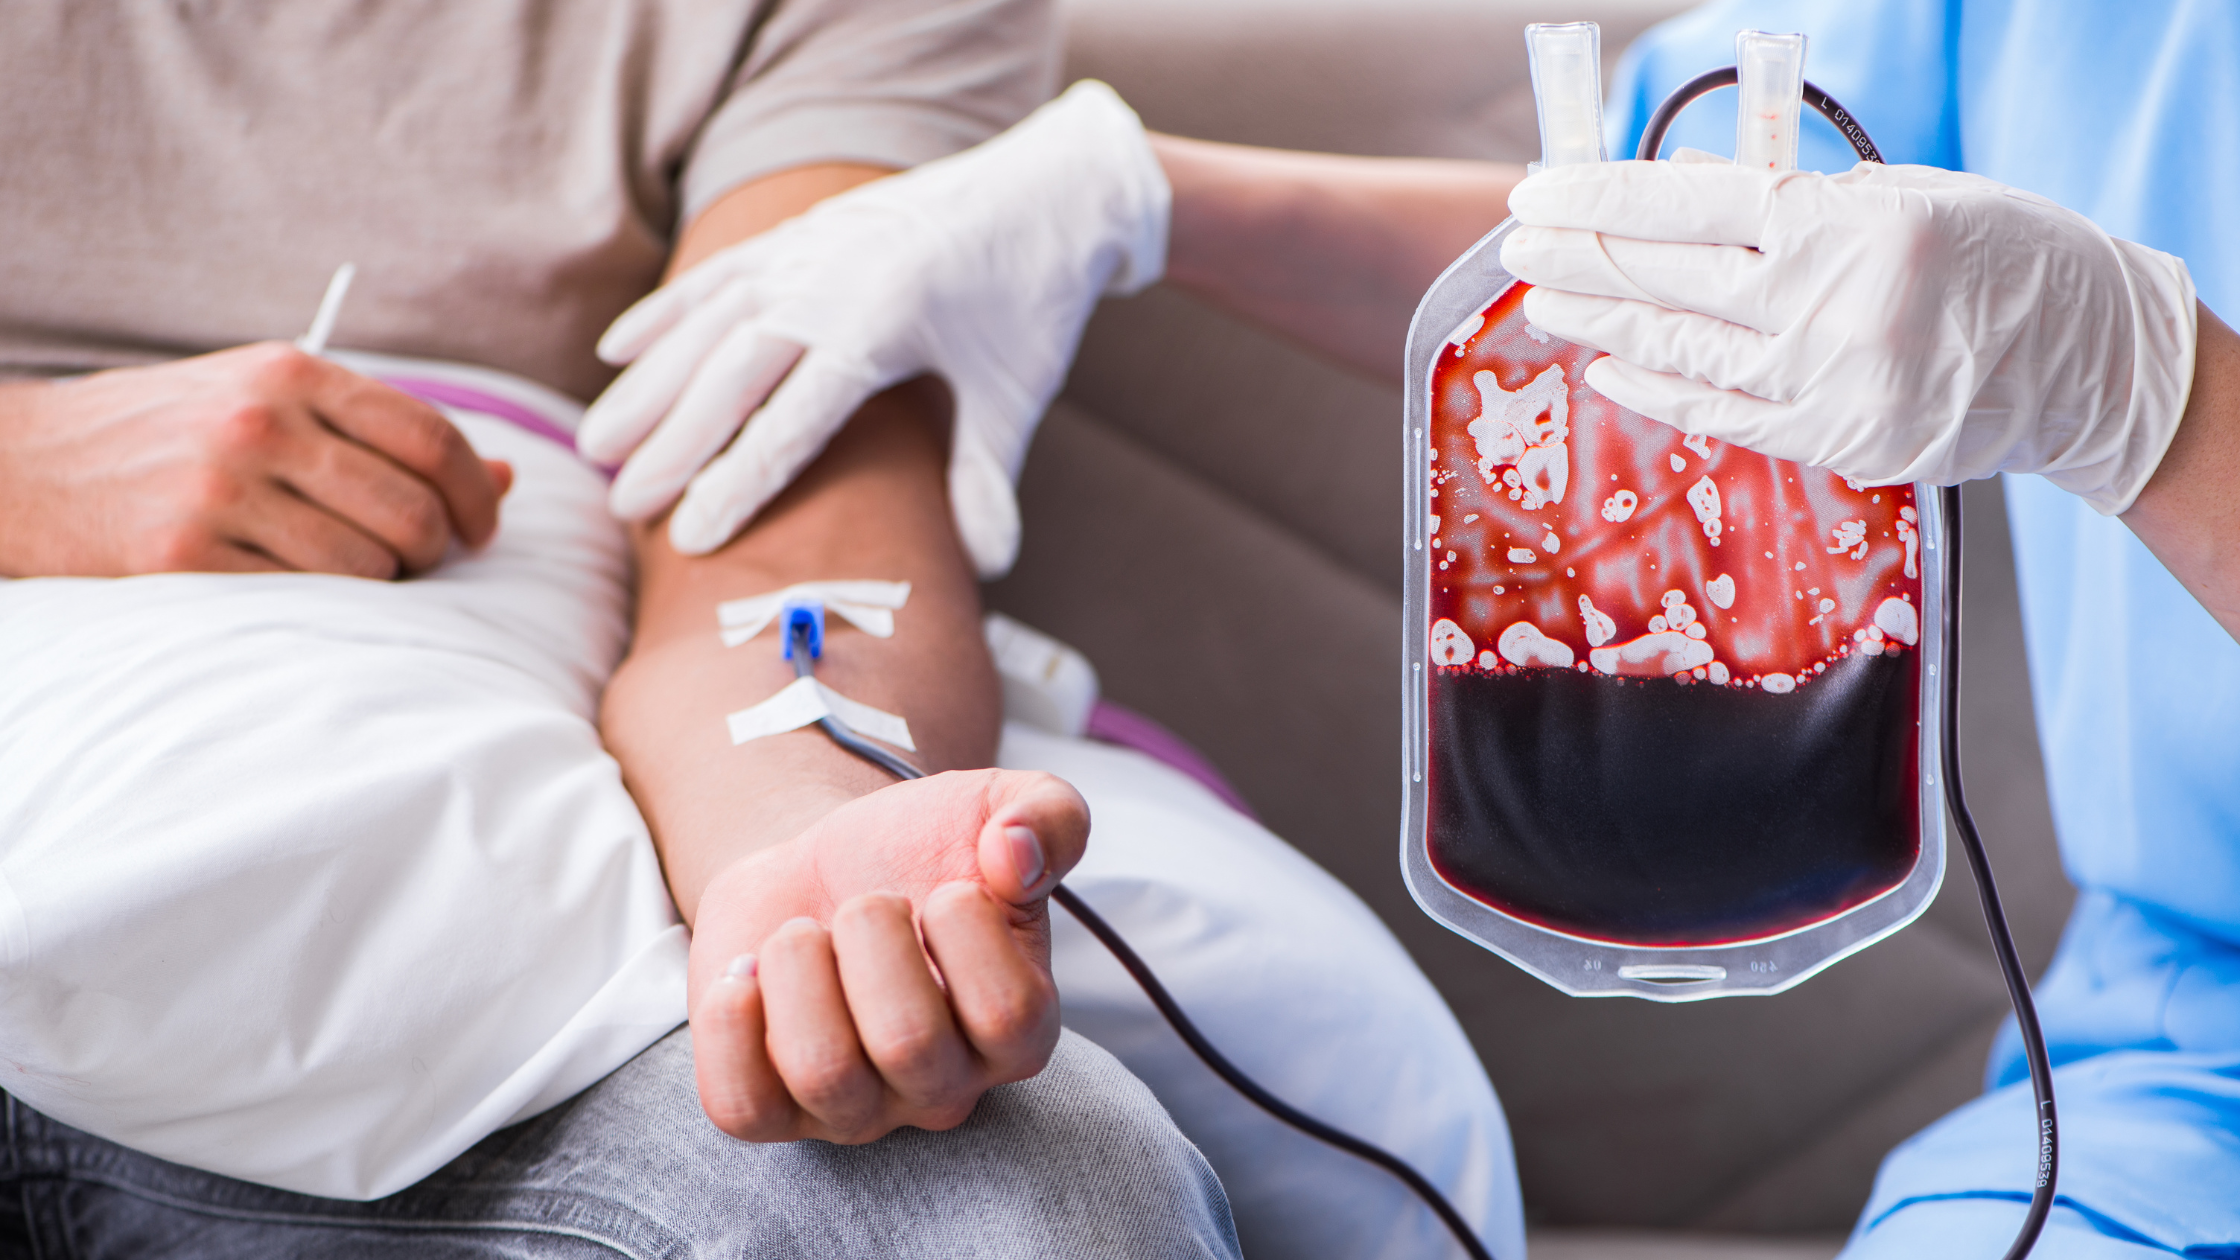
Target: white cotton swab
point(330, 306)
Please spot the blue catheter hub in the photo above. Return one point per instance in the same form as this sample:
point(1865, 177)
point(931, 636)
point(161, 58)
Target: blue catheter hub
point(803, 615)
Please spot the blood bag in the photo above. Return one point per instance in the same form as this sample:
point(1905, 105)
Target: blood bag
point(1670, 704)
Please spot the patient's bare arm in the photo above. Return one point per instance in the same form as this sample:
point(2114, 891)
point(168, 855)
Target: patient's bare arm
point(793, 851)
point(255, 458)
point(1331, 251)
point(817, 865)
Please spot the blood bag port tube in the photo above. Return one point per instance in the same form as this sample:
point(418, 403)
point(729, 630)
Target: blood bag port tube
point(1567, 87)
point(1772, 88)
point(1665, 698)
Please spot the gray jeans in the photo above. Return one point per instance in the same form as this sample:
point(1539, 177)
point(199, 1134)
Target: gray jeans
point(1080, 1161)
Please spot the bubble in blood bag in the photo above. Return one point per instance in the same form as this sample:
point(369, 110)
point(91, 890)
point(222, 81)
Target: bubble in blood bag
point(1449, 645)
point(1897, 619)
point(1672, 742)
point(1523, 644)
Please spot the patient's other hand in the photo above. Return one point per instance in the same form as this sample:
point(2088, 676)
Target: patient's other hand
point(900, 956)
point(256, 458)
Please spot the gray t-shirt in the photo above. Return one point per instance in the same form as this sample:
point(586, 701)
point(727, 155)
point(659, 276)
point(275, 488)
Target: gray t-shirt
point(507, 174)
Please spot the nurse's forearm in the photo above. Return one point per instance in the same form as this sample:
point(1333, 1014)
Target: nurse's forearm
point(2189, 513)
point(874, 505)
point(1330, 251)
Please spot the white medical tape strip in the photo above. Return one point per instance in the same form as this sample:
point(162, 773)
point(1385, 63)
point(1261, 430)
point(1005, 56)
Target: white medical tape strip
point(868, 605)
point(790, 710)
point(805, 700)
point(876, 622)
point(885, 727)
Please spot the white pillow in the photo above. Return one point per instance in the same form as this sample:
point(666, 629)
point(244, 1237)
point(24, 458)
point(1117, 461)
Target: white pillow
point(315, 881)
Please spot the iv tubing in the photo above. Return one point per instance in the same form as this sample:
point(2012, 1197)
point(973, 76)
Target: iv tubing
point(1652, 138)
point(1979, 862)
point(804, 666)
point(1994, 917)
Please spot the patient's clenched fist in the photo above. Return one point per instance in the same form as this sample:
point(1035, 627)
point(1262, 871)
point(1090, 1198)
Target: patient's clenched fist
point(256, 458)
point(848, 1034)
point(914, 976)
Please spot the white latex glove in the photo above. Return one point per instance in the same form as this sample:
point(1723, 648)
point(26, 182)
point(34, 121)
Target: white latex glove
point(1892, 323)
point(981, 268)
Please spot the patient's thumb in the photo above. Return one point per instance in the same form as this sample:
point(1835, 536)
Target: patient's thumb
point(1036, 833)
point(501, 475)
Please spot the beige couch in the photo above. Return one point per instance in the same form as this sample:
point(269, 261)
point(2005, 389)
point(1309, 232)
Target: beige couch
point(1213, 517)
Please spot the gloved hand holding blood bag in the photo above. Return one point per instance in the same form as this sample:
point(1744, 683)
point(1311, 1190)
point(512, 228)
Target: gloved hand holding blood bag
point(1667, 695)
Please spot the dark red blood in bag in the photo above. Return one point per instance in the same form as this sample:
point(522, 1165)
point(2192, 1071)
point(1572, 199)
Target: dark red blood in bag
point(1674, 697)
point(1557, 797)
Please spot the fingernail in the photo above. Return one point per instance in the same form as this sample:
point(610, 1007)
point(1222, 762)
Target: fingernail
point(741, 968)
point(1026, 855)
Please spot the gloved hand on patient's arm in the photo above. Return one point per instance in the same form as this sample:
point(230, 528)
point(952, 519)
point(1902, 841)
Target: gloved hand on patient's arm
point(838, 1026)
point(1892, 323)
point(980, 268)
point(258, 458)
